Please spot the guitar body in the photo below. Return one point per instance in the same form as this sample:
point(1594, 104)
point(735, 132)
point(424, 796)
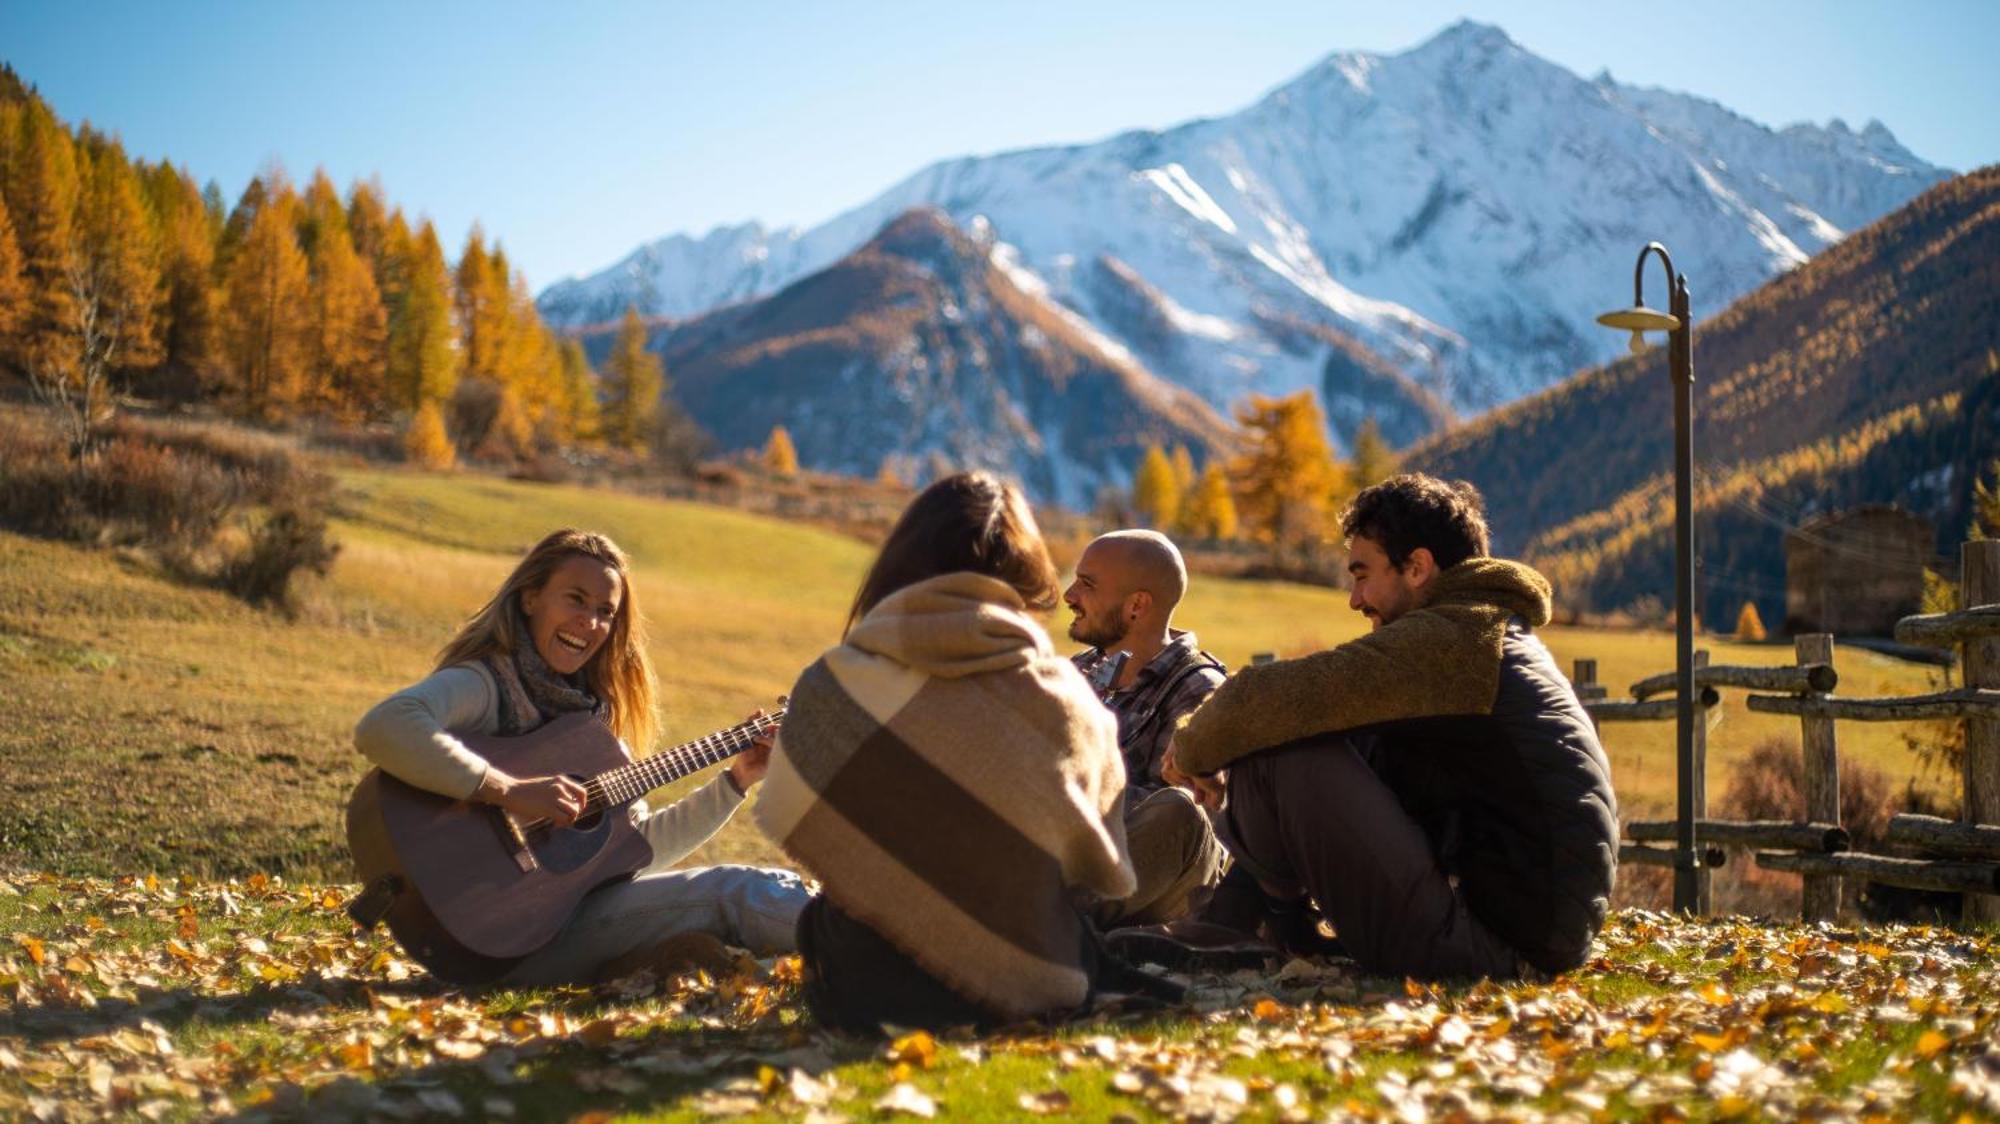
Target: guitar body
point(462, 899)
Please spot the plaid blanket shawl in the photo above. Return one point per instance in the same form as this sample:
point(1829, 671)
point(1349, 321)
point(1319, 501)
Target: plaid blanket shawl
point(951, 781)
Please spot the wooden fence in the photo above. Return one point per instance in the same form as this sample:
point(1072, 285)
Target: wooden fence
point(1961, 857)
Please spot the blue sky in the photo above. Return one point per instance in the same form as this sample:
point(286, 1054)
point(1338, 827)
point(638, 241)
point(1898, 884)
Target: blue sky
point(574, 132)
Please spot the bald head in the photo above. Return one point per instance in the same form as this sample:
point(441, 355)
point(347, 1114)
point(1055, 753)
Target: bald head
point(1126, 581)
point(1145, 562)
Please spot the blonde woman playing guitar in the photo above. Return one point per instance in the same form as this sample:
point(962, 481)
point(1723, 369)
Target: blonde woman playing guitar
point(497, 834)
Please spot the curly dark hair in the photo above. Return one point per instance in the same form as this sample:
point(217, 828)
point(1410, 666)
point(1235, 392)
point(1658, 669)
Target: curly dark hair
point(1409, 511)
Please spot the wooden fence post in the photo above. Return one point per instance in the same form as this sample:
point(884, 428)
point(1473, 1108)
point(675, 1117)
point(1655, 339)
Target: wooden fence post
point(1980, 585)
point(1704, 891)
point(1822, 779)
point(1584, 680)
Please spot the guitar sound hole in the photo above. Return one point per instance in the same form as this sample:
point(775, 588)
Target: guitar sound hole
point(560, 850)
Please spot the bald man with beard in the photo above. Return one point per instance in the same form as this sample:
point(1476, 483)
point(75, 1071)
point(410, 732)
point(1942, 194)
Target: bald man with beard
point(1127, 585)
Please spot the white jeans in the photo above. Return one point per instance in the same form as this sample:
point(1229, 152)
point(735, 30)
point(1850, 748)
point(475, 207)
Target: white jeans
point(747, 906)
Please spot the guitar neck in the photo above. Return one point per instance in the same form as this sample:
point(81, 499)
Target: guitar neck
point(628, 783)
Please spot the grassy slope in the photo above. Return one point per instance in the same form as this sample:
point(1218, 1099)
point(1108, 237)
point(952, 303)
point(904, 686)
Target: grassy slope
point(157, 727)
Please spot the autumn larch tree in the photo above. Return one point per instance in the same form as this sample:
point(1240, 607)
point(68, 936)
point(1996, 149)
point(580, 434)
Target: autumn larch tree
point(42, 188)
point(349, 341)
point(1209, 512)
point(1288, 485)
point(1749, 625)
point(1156, 490)
point(104, 322)
point(13, 285)
point(190, 303)
point(423, 353)
point(1184, 474)
point(780, 455)
point(425, 442)
point(579, 401)
point(268, 324)
point(633, 380)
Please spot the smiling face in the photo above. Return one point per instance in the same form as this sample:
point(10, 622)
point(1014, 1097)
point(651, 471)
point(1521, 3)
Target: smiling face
point(571, 615)
point(1098, 599)
point(1381, 591)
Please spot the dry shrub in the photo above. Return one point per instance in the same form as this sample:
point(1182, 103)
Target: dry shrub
point(211, 506)
point(1769, 784)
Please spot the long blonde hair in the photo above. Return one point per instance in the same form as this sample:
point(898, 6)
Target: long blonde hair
point(620, 673)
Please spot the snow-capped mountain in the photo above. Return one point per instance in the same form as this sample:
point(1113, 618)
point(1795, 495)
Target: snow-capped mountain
point(929, 345)
point(1451, 216)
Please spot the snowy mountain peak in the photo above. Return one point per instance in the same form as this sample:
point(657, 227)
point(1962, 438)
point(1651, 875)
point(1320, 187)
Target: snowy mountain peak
point(1413, 234)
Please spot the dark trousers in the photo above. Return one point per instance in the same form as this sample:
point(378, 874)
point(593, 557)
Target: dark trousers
point(857, 981)
point(1313, 818)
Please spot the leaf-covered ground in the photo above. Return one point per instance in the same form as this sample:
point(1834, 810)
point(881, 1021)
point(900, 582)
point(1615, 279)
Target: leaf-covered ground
point(180, 999)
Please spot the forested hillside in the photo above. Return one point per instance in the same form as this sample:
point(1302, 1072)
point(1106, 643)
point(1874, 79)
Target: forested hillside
point(121, 276)
point(1870, 374)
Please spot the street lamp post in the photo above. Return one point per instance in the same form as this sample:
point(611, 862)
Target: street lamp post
point(1679, 326)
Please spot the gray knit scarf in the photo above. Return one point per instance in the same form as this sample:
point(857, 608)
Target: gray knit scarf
point(531, 691)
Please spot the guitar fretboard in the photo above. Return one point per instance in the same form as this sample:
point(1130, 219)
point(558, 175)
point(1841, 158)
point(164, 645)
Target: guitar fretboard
point(628, 783)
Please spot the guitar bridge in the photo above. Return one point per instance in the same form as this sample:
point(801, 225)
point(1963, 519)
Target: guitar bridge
point(516, 842)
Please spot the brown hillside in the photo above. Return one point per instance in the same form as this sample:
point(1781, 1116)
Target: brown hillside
point(1866, 375)
point(919, 348)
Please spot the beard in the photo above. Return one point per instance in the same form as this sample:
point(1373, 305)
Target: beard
point(1096, 632)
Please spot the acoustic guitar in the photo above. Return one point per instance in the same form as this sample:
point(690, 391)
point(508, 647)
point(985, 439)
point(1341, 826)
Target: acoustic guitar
point(469, 890)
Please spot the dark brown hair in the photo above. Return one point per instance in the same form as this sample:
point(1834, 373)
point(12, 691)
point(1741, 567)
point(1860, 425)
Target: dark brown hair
point(1405, 512)
point(967, 521)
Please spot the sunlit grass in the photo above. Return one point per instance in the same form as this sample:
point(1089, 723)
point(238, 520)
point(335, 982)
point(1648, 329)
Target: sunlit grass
point(170, 728)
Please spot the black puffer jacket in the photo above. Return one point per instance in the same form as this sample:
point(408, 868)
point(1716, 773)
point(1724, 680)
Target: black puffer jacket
point(1518, 804)
point(1478, 733)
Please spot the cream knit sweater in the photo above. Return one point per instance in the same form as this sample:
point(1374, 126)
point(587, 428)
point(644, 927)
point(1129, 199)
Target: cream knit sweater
point(411, 735)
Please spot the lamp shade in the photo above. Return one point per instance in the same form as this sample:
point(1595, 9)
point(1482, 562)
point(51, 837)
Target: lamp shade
point(1639, 318)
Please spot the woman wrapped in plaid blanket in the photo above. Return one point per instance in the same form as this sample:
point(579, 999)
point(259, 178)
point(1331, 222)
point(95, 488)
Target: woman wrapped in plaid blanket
point(952, 782)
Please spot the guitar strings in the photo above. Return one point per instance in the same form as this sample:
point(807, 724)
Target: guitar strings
point(627, 783)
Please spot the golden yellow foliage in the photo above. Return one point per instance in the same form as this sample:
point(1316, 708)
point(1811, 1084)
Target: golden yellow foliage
point(1210, 511)
point(1749, 626)
point(1289, 488)
point(780, 456)
point(426, 443)
point(1156, 491)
